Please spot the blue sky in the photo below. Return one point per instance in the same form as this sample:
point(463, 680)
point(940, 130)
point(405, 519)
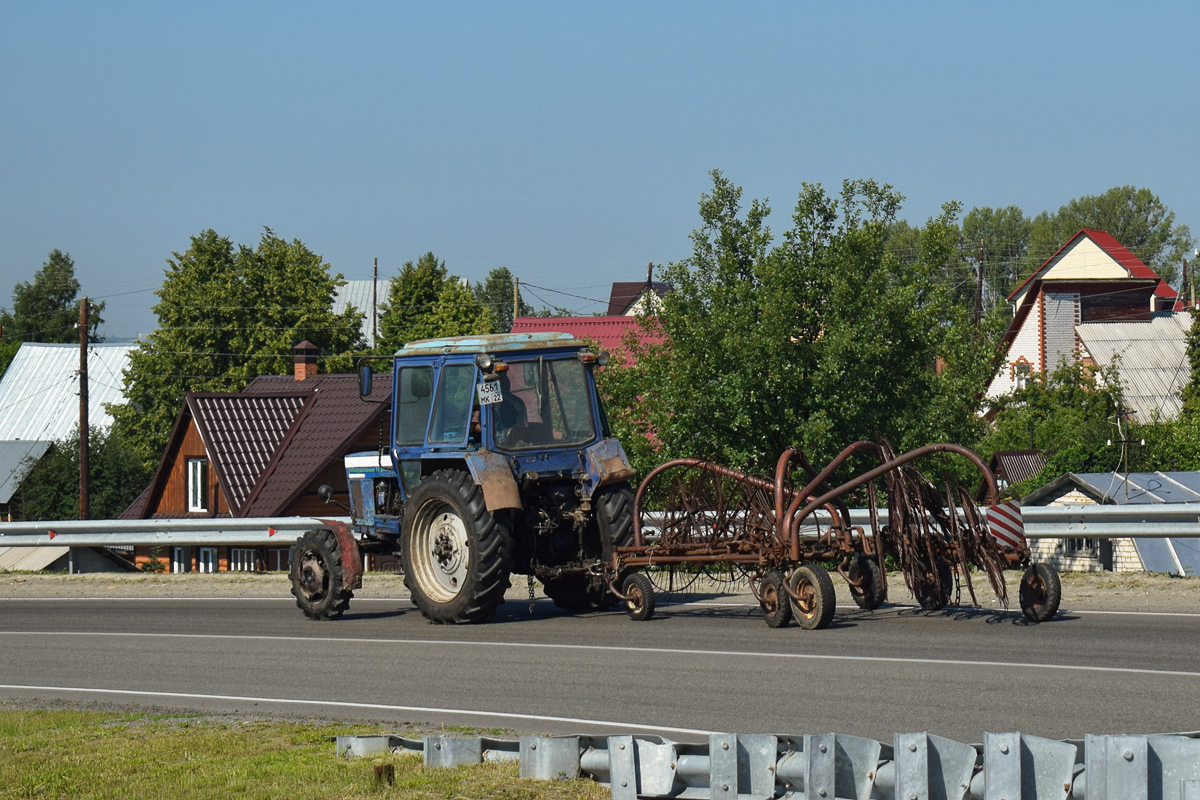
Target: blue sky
point(568, 141)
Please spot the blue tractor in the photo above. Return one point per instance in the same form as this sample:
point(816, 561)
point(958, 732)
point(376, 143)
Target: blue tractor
point(499, 461)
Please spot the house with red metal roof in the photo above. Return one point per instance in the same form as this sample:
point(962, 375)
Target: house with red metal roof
point(261, 452)
point(1091, 278)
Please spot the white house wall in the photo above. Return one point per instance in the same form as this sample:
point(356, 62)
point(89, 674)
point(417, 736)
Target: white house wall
point(1026, 345)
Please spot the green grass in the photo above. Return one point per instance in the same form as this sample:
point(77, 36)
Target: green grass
point(81, 754)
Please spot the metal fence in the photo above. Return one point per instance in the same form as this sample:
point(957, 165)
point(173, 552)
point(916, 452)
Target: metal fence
point(914, 766)
point(1175, 520)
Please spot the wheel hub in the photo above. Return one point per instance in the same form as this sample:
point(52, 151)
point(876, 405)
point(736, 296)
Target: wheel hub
point(444, 540)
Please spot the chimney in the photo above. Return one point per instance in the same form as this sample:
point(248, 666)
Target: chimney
point(305, 355)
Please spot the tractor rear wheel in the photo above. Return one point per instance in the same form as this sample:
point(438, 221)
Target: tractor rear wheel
point(613, 526)
point(318, 575)
point(457, 555)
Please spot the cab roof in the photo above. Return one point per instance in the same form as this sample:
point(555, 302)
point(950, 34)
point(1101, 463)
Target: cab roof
point(493, 343)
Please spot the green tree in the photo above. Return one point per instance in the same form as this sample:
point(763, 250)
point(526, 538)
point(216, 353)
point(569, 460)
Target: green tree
point(1134, 216)
point(1070, 415)
point(227, 314)
point(1004, 233)
point(46, 310)
point(817, 341)
point(50, 490)
point(425, 302)
point(496, 295)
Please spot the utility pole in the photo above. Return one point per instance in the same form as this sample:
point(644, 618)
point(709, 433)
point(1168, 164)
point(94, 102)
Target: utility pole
point(83, 409)
point(516, 297)
point(374, 303)
point(979, 287)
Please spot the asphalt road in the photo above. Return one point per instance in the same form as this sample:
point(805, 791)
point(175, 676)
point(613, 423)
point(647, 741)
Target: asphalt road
point(711, 665)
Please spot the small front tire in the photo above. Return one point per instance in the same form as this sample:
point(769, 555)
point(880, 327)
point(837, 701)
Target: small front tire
point(318, 575)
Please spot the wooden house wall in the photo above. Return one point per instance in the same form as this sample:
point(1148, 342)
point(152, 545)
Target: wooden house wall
point(173, 500)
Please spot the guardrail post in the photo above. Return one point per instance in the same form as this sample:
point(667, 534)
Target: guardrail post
point(453, 751)
point(723, 766)
point(549, 758)
point(932, 768)
point(1117, 768)
point(622, 768)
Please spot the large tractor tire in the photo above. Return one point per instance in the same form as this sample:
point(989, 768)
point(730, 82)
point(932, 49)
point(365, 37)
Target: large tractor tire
point(614, 526)
point(934, 596)
point(318, 575)
point(457, 555)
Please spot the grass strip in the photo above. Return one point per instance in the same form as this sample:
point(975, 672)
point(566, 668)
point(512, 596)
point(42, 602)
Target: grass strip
point(87, 754)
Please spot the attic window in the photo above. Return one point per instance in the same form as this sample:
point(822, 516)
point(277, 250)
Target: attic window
point(197, 484)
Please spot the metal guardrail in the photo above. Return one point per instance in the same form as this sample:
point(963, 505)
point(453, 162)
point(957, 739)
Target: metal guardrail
point(914, 766)
point(1175, 520)
point(112, 533)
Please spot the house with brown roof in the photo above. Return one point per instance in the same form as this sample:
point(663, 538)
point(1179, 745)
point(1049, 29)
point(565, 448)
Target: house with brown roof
point(1092, 278)
point(261, 452)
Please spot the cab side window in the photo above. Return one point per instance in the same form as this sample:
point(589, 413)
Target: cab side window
point(452, 412)
point(414, 398)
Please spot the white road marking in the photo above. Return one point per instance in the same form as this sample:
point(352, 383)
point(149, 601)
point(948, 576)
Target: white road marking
point(594, 648)
point(151, 695)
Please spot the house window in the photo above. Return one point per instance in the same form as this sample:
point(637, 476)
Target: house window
point(197, 484)
point(1020, 375)
point(243, 559)
point(181, 559)
point(208, 559)
point(277, 559)
point(1085, 547)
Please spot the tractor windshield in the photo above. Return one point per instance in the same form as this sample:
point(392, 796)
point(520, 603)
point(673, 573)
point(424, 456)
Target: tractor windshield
point(544, 404)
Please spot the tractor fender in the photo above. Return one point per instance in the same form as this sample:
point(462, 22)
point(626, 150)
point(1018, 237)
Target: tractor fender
point(491, 472)
point(607, 463)
point(352, 562)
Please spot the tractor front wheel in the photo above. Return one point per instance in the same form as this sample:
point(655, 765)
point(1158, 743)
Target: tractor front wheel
point(318, 575)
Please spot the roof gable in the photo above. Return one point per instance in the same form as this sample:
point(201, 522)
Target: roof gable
point(624, 294)
point(1093, 255)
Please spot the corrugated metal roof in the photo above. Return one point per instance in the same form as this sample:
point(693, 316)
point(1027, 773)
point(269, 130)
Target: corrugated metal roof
point(14, 464)
point(1142, 488)
point(39, 394)
point(1016, 466)
point(609, 332)
point(1152, 360)
point(358, 294)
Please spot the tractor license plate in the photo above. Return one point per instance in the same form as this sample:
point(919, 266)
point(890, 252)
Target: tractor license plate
point(489, 393)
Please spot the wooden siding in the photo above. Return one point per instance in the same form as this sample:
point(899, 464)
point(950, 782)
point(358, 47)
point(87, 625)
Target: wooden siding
point(173, 500)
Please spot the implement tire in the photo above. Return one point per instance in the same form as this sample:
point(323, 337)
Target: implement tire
point(815, 608)
point(865, 569)
point(457, 555)
point(318, 575)
point(1041, 592)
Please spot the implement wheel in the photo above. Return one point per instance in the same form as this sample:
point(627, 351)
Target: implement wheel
point(869, 593)
point(773, 600)
point(935, 596)
point(1041, 592)
point(815, 606)
point(318, 576)
point(457, 556)
point(640, 591)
